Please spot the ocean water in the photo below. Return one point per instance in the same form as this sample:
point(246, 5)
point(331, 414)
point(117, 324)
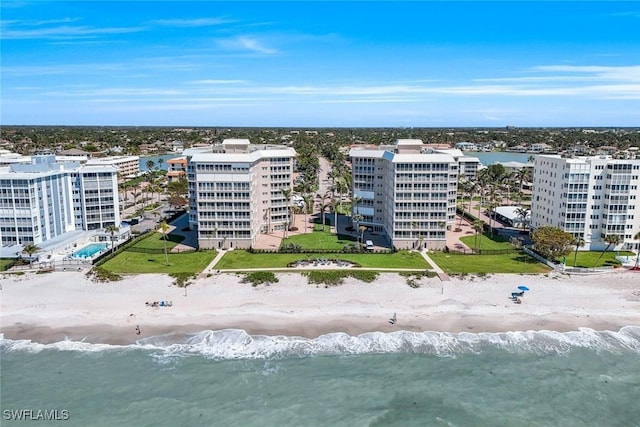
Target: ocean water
point(491, 157)
point(143, 161)
point(229, 378)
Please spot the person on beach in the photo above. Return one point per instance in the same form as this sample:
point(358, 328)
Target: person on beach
point(137, 329)
point(393, 320)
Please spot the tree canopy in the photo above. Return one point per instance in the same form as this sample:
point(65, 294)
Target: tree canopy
point(552, 242)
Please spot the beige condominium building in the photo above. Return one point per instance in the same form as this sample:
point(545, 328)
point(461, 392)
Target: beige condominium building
point(176, 168)
point(589, 197)
point(127, 166)
point(236, 191)
point(405, 193)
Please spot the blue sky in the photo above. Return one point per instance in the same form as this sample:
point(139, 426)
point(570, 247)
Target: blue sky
point(320, 64)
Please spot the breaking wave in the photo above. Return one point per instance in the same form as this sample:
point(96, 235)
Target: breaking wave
point(238, 344)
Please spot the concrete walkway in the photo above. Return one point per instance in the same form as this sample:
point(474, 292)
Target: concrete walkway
point(209, 268)
point(441, 274)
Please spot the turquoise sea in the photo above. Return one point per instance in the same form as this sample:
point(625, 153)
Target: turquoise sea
point(163, 165)
point(489, 158)
point(229, 378)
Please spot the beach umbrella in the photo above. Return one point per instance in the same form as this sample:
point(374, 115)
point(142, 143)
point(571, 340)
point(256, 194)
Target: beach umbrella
point(523, 288)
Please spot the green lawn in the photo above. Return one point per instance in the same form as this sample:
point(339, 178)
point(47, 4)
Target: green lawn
point(319, 239)
point(4, 262)
point(487, 243)
point(156, 241)
point(238, 259)
point(507, 263)
point(589, 259)
point(136, 262)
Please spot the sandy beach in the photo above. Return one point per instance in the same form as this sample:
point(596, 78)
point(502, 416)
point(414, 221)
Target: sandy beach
point(66, 305)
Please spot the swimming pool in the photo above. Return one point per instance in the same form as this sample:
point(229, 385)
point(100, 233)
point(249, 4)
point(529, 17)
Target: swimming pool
point(89, 251)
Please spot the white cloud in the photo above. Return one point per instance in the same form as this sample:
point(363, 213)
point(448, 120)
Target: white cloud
point(625, 73)
point(200, 22)
point(64, 31)
point(249, 43)
point(216, 82)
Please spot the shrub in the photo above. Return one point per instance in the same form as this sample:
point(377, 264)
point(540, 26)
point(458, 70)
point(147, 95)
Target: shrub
point(412, 283)
point(290, 247)
point(260, 277)
point(182, 279)
point(335, 277)
point(364, 276)
point(99, 274)
point(328, 278)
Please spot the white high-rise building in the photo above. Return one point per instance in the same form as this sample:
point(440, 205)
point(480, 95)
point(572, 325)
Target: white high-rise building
point(236, 191)
point(589, 197)
point(405, 193)
point(45, 199)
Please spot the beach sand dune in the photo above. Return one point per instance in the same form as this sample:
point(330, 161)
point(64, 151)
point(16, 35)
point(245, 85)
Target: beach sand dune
point(66, 305)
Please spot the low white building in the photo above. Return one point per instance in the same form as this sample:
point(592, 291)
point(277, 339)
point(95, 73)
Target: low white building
point(512, 216)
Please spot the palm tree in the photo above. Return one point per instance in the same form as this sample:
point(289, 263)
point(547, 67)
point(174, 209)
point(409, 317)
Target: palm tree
point(135, 195)
point(578, 242)
point(522, 214)
point(471, 188)
point(322, 199)
point(521, 175)
point(342, 187)
point(151, 165)
point(154, 188)
point(637, 237)
point(611, 240)
point(165, 227)
point(111, 229)
point(334, 207)
point(30, 249)
point(308, 205)
point(478, 226)
point(355, 201)
point(494, 202)
point(357, 218)
point(123, 187)
point(481, 188)
point(362, 229)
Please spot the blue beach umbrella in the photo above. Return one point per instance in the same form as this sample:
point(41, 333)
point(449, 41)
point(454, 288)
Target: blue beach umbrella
point(523, 288)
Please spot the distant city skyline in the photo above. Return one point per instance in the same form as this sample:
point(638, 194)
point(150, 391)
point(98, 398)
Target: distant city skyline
point(320, 64)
